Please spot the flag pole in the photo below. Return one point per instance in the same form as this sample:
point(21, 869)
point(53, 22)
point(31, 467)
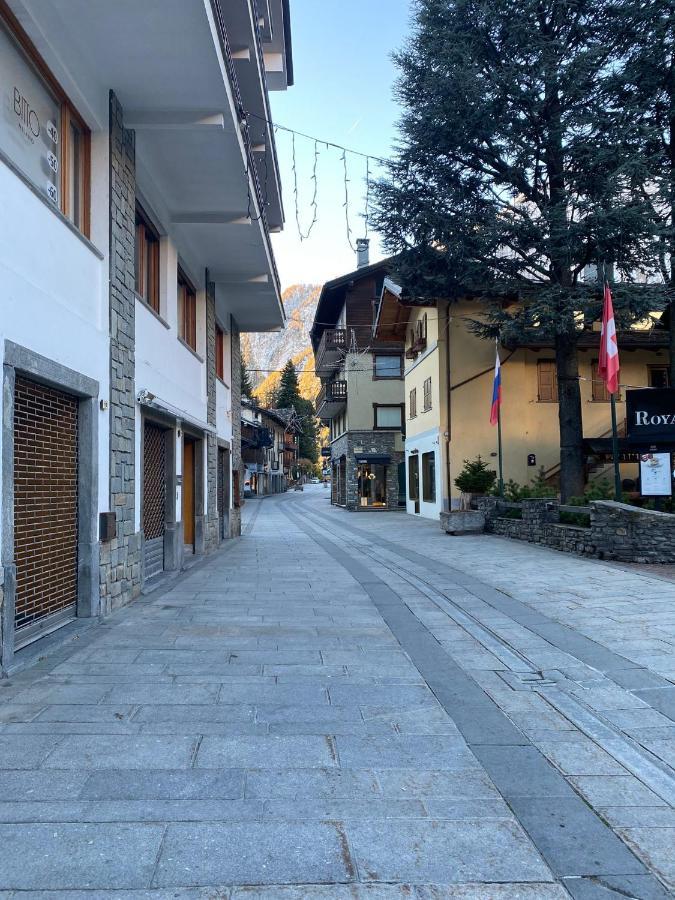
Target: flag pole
point(499, 434)
point(499, 451)
point(615, 450)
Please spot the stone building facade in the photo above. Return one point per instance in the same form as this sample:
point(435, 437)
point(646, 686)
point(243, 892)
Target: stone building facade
point(120, 558)
point(349, 453)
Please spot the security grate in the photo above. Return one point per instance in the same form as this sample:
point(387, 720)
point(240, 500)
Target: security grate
point(45, 501)
point(154, 481)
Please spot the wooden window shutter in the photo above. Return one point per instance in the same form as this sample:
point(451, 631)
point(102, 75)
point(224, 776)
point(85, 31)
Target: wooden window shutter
point(547, 381)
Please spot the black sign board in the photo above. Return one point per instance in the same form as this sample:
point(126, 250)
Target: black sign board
point(650, 415)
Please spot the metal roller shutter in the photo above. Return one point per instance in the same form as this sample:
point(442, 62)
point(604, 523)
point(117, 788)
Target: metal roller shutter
point(45, 508)
point(154, 497)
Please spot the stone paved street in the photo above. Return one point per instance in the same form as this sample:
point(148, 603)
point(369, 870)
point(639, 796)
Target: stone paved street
point(352, 706)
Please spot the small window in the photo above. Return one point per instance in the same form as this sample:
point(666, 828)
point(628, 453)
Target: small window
point(659, 376)
point(547, 381)
point(220, 353)
point(412, 403)
point(75, 172)
point(187, 312)
point(427, 394)
point(429, 477)
point(388, 416)
point(599, 390)
point(147, 260)
point(388, 366)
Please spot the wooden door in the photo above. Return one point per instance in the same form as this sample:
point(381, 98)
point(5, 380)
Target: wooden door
point(188, 492)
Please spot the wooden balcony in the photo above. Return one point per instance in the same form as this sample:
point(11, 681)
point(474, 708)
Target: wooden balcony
point(331, 351)
point(331, 399)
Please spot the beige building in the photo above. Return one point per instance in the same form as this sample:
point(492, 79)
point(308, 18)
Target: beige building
point(448, 391)
point(361, 399)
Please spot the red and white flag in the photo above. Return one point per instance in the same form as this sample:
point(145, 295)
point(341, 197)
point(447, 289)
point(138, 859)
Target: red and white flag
point(608, 362)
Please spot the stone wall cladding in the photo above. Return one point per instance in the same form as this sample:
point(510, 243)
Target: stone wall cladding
point(120, 559)
point(237, 465)
point(617, 531)
point(382, 442)
point(211, 518)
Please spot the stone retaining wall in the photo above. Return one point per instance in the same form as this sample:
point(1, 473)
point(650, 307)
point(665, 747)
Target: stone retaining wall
point(617, 531)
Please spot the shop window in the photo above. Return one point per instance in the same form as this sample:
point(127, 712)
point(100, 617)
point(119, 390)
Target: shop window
point(220, 353)
point(659, 376)
point(547, 381)
point(390, 366)
point(427, 394)
point(147, 260)
point(599, 390)
point(40, 131)
point(187, 312)
point(412, 402)
point(388, 417)
point(429, 477)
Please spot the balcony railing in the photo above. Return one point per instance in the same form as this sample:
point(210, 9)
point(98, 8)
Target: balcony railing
point(331, 398)
point(251, 167)
point(331, 350)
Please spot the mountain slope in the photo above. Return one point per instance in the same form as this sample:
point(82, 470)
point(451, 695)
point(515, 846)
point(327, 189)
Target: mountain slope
point(270, 351)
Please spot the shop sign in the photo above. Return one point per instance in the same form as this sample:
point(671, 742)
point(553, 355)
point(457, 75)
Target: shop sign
point(655, 475)
point(29, 135)
point(650, 415)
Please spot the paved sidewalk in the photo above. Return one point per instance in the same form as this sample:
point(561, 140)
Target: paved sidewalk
point(344, 706)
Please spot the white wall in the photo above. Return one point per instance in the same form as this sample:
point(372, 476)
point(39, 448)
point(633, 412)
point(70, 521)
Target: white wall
point(54, 288)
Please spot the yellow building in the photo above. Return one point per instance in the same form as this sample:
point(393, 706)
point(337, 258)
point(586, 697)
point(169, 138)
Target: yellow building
point(448, 391)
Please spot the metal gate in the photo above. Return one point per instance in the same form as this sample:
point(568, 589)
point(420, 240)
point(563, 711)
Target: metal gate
point(45, 508)
point(154, 497)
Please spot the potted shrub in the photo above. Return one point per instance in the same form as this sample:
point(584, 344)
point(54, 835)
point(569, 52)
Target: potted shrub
point(475, 480)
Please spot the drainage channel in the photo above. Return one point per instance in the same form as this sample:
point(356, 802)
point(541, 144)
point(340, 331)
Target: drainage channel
point(577, 845)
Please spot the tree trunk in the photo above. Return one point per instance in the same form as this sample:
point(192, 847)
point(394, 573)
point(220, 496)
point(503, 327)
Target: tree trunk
point(572, 479)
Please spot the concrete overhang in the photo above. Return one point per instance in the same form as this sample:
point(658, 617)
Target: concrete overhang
point(164, 61)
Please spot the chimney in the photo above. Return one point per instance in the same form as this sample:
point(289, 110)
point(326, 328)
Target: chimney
point(362, 259)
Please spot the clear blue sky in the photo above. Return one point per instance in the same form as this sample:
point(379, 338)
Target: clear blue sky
point(344, 76)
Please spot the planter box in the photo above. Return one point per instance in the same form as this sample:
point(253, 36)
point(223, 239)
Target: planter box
point(463, 521)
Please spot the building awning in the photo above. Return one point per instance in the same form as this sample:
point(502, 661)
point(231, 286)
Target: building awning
point(372, 458)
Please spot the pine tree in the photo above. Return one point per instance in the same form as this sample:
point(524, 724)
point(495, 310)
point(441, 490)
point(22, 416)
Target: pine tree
point(288, 392)
point(646, 83)
point(515, 173)
point(246, 386)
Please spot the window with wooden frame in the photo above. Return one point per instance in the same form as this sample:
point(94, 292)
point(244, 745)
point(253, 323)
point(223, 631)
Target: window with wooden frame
point(220, 353)
point(412, 403)
point(599, 391)
point(387, 365)
point(187, 312)
point(43, 134)
point(388, 416)
point(658, 376)
point(547, 381)
point(147, 260)
point(427, 394)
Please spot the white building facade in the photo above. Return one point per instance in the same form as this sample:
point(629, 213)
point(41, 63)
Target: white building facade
point(134, 250)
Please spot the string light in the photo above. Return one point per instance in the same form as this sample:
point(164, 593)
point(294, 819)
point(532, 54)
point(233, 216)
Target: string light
point(344, 150)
